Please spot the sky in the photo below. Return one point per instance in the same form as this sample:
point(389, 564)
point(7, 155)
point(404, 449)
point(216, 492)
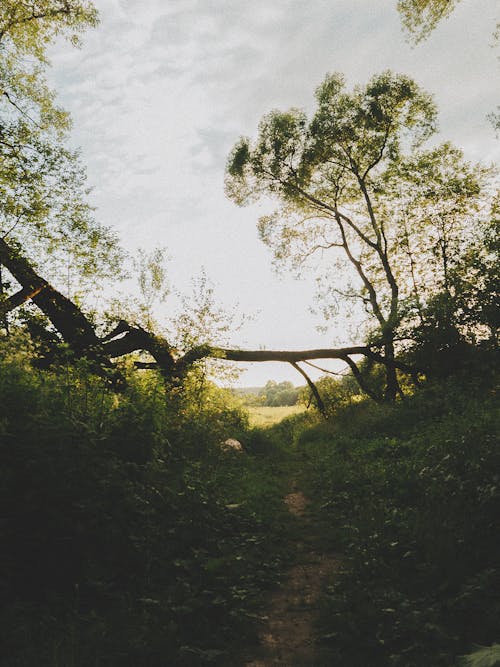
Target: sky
point(162, 89)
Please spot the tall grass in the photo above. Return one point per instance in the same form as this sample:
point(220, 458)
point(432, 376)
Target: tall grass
point(410, 494)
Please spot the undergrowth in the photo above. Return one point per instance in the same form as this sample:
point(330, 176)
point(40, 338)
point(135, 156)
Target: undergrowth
point(410, 494)
point(129, 538)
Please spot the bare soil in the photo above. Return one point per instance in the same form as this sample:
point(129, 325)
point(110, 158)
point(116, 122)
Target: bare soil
point(287, 637)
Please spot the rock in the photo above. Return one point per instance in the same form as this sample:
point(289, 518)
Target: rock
point(231, 445)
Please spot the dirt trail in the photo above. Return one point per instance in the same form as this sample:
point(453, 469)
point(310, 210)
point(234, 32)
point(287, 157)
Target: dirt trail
point(287, 637)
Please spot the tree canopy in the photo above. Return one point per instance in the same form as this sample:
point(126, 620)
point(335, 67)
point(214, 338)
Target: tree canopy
point(407, 228)
point(43, 192)
point(356, 184)
point(420, 17)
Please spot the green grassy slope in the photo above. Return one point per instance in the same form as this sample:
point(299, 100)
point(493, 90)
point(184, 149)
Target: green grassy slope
point(411, 495)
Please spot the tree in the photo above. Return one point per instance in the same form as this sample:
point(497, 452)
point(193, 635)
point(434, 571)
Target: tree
point(420, 17)
point(43, 193)
point(462, 316)
point(355, 184)
point(279, 393)
point(354, 181)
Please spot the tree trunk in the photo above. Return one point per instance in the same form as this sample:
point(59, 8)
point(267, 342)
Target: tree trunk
point(79, 333)
point(67, 318)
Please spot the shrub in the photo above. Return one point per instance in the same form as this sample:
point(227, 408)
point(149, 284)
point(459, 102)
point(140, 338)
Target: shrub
point(118, 546)
point(411, 493)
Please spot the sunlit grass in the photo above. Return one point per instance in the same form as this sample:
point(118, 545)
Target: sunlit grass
point(264, 415)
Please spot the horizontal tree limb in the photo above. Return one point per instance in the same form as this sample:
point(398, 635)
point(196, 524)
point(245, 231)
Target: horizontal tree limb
point(292, 356)
point(79, 333)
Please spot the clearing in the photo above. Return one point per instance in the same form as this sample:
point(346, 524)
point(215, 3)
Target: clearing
point(264, 415)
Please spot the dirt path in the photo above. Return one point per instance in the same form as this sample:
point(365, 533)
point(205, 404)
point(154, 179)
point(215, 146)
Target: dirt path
point(287, 637)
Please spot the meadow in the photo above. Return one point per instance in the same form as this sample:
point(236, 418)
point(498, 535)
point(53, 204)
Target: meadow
point(264, 415)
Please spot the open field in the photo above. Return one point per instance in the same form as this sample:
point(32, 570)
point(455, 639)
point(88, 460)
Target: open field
point(263, 415)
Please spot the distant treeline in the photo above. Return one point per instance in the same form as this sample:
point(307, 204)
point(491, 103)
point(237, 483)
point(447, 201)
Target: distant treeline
point(272, 394)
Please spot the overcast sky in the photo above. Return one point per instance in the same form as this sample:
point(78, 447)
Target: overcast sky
point(162, 89)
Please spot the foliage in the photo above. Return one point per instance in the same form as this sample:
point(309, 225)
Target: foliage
point(482, 657)
point(420, 17)
point(335, 392)
point(410, 493)
point(129, 538)
point(279, 393)
point(43, 193)
point(153, 283)
point(356, 184)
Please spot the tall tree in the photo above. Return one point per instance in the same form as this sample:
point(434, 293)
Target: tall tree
point(43, 191)
point(355, 183)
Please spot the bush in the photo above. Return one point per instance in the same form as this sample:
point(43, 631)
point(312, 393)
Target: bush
point(118, 544)
point(411, 493)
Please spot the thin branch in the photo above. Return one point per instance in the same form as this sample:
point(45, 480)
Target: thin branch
point(380, 155)
point(381, 251)
point(366, 282)
point(326, 207)
point(21, 111)
point(37, 16)
point(312, 387)
point(17, 299)
point(324, 370)
point(361, 381)
point(319, 246)
point(11, 229)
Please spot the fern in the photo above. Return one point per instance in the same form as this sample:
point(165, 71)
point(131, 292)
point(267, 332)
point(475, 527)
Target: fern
point(483, 656)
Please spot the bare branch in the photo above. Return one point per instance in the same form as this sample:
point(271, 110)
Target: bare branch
point(312, 387)
point(21, 111)
point(361, 381)
point(380, 154)
point(324, 370)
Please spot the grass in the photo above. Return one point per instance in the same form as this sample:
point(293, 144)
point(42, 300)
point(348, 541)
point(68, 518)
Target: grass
point(410, 494)
point(263, 415)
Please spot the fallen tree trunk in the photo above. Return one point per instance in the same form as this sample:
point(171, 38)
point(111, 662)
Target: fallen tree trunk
point(79, 333)
point(66, 317)
point(289, 356)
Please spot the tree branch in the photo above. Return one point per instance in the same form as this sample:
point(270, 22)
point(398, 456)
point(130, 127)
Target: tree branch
point(67, 318)
point(17, 299)
point(312, 387)
point(79, 333)
point(361, 381)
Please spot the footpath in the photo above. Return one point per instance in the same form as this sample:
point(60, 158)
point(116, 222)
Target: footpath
point(288, 636)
